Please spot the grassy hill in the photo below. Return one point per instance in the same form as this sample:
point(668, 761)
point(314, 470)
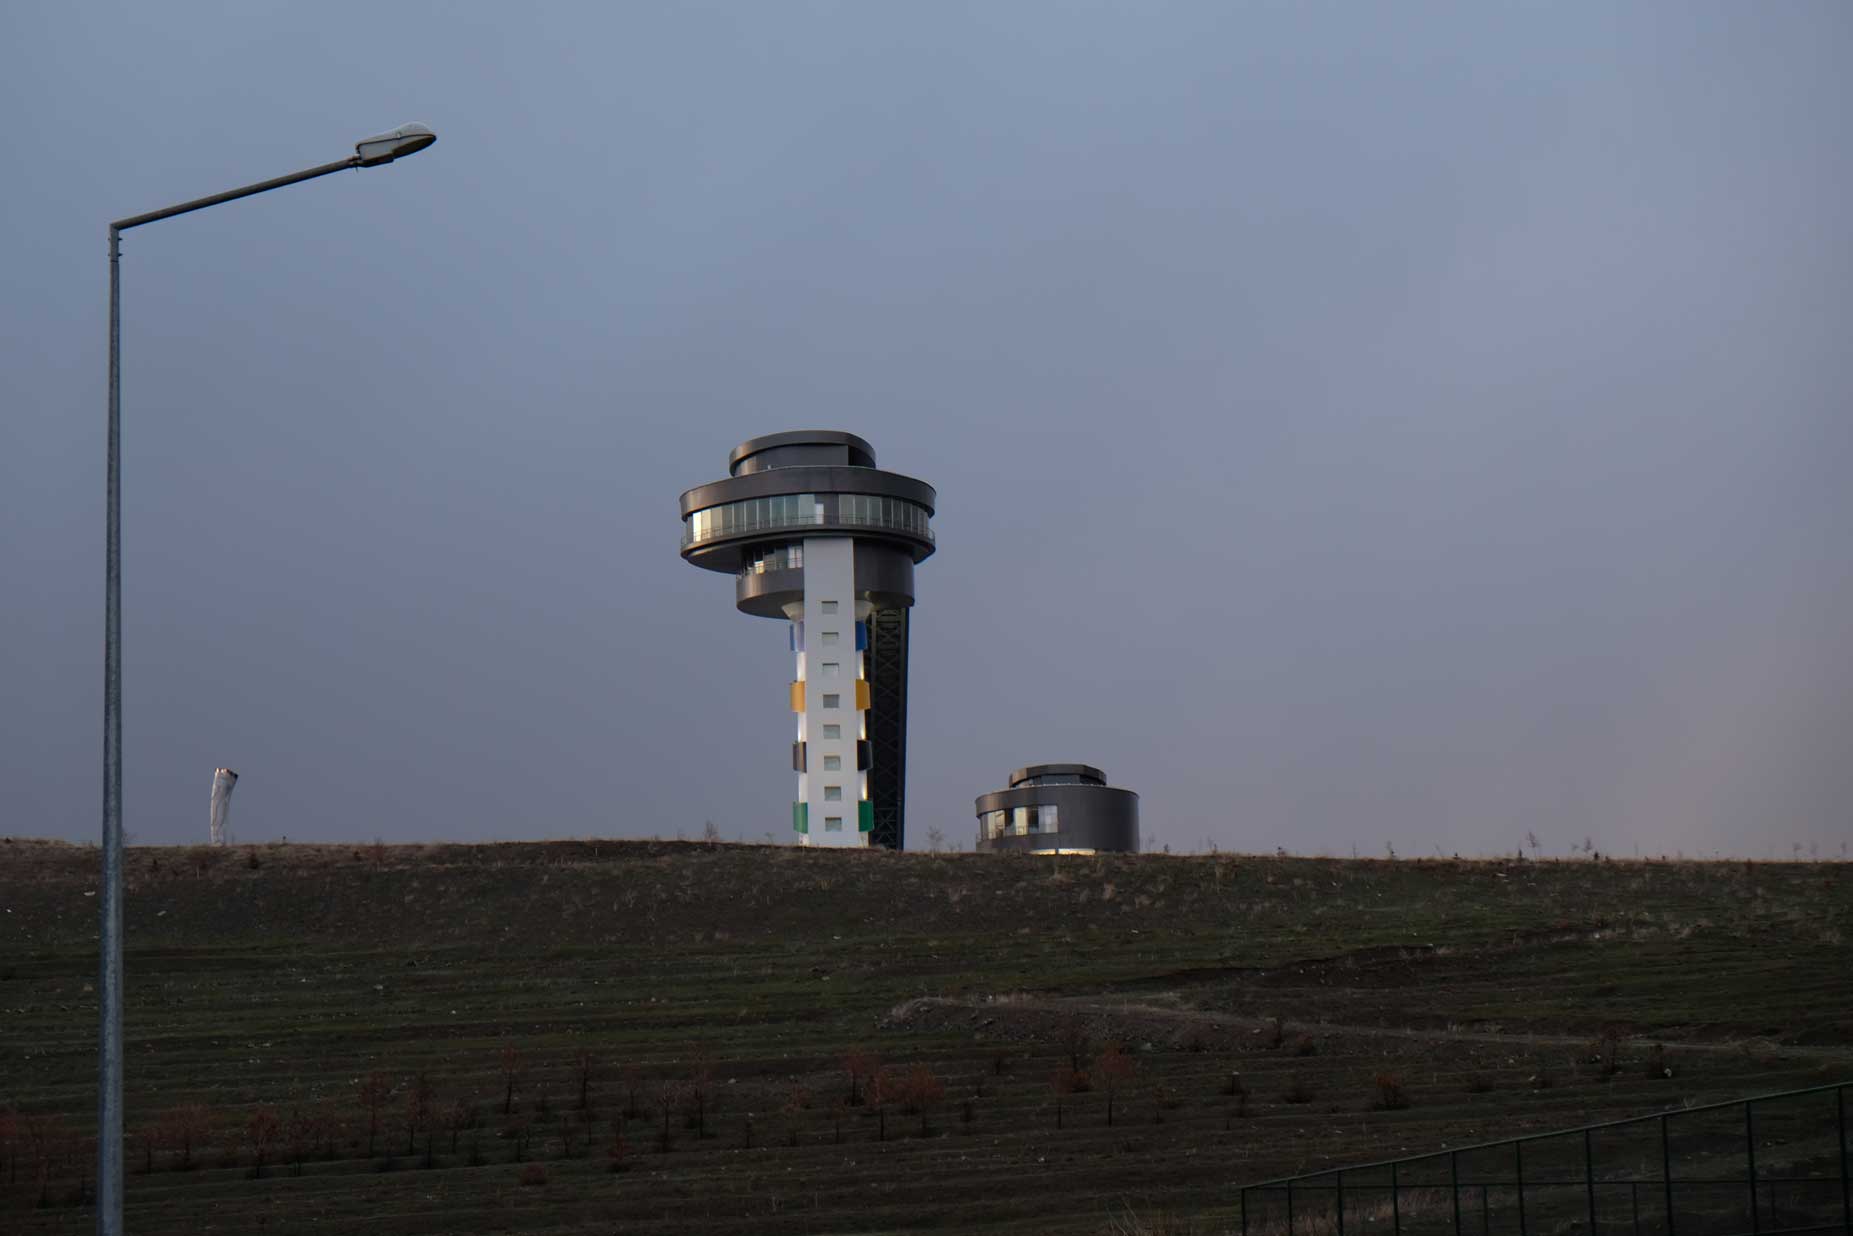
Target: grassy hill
point(705, 999)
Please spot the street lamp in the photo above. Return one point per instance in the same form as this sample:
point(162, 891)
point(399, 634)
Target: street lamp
point(368, 152)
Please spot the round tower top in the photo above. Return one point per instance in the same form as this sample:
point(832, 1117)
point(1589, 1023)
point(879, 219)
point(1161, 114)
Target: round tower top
point(800, 448)
point(1056, 774)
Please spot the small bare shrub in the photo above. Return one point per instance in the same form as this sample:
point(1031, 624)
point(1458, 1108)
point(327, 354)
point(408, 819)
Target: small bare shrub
point(260, 1135)
point(1304, 1046)
point(184, 1130)
point(519, 1129)
point(375, 1089)
point(509, 1058)
point(1391, 1097)
point(668, 1102)
point(585, 1070)
point(924, 1092)
point(1115, 1068)
point(860, 1065)
point(533, 1174)
point(1075, 1043)
point(1605, 1052)
point(1297, 1091)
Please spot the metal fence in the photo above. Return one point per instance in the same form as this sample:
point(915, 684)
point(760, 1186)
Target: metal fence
point(1774, 1165)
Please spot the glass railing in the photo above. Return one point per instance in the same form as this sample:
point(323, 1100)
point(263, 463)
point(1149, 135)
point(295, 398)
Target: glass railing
point(912, 522)
point(722, 522)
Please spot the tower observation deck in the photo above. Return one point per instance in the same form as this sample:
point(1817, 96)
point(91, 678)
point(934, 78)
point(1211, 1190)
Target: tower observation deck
point(816, 535)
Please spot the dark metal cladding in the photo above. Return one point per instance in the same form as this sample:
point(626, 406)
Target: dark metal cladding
point(800, 446)
point(884, 574)
point(767, 595)
point(888, 726)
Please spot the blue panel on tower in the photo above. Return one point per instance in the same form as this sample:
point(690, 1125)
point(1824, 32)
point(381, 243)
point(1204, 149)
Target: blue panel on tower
point(862, 637)
point(797, 637)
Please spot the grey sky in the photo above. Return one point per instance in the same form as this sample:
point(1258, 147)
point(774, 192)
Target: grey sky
point(1353, 424)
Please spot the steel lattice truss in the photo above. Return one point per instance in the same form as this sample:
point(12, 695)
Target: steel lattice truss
point(887, 671)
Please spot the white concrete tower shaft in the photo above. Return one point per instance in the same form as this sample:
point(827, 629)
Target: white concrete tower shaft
point(831, 694)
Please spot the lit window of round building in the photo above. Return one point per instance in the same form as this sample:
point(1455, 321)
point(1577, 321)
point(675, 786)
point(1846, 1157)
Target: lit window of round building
point(1059, 809)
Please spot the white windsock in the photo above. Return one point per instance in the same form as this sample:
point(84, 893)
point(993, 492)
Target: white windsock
point(223, 779)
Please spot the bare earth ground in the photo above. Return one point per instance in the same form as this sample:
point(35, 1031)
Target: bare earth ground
point(715, 990)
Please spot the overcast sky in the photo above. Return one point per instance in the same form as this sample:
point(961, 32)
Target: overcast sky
point(1354, 425)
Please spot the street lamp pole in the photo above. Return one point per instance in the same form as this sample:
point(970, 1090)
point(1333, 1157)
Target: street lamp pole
point(370, 152)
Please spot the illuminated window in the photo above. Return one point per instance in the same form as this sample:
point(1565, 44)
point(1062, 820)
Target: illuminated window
point(1019, 821)
point(1051, 818)
point(777, 558)
point(832, 701)
point(833, 763)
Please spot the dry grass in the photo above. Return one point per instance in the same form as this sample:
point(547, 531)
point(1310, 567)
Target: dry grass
point(282, 985)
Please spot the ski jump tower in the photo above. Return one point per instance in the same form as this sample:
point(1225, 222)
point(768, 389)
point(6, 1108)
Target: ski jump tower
point(814, 533)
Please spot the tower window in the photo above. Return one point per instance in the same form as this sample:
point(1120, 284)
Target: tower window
point(829, 607)
point(833, 823)
point(833, 793)
point(833, 731)
point(833, 763)
point(832, 668)
point(829, 638)
point(833, 701)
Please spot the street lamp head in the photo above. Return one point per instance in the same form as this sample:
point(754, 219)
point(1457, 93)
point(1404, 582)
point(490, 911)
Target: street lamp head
point(385, 147)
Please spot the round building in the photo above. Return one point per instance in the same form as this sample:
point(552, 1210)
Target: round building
point(1059, 809)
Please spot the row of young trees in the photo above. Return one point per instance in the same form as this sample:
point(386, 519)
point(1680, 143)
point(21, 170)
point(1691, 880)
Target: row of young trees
point(916, 1090)
point(388, 1115)
point(43, 1156)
